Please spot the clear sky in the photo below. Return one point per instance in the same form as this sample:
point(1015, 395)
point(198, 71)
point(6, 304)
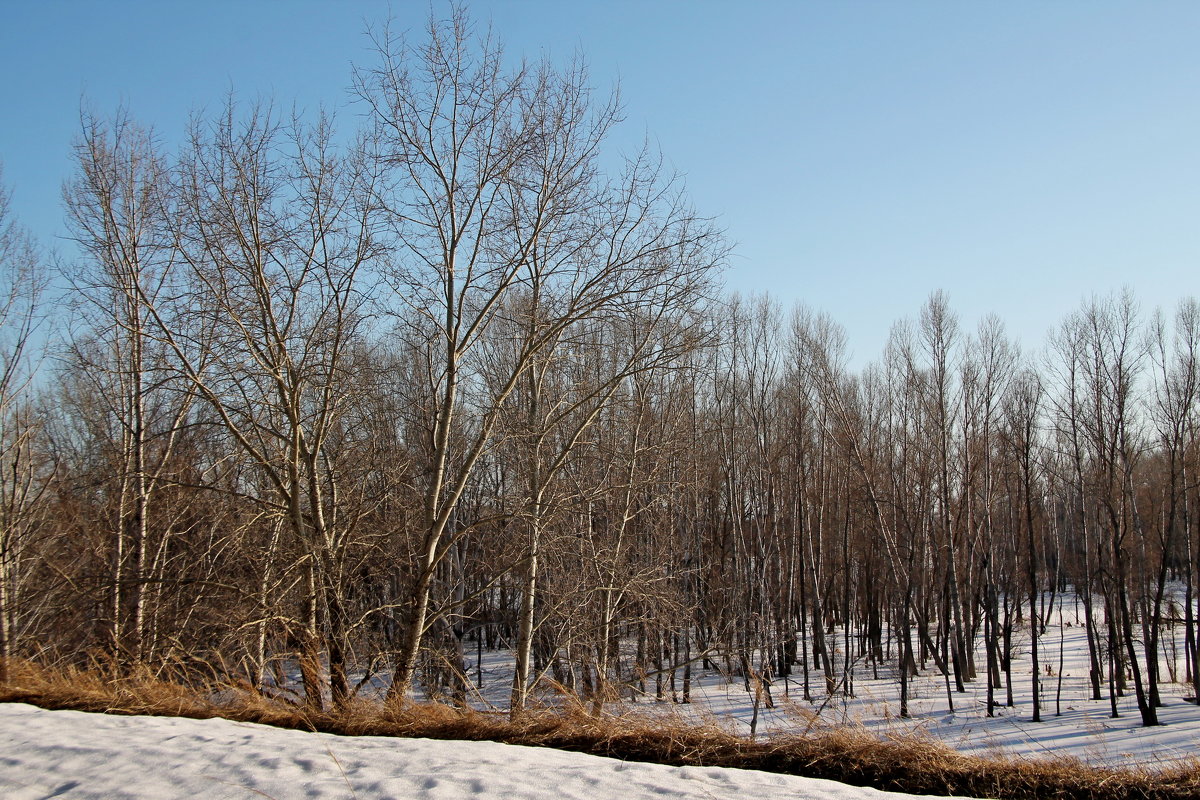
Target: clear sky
point(1021, 156)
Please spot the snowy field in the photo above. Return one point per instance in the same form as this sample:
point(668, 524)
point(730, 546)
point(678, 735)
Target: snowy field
point(1084, 729)
point(78, 756)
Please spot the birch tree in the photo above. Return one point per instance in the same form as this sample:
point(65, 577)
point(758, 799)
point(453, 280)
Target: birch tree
point(273, 232)
point(22, 479)
point(494, 185)
point(117, 205)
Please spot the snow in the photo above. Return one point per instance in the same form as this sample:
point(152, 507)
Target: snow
point(1085, 729)
point(76, 755)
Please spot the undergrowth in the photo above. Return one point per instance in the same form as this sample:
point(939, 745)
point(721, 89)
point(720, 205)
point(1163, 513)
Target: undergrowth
point(899, 763)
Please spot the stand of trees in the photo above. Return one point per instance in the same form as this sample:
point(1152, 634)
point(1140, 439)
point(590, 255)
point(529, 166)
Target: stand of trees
point(461, 382)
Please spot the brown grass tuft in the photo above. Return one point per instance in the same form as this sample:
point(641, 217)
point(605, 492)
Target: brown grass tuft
point(904, 763)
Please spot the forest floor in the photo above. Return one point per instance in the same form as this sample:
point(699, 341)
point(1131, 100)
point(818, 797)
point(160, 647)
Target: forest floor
point(1072, 724)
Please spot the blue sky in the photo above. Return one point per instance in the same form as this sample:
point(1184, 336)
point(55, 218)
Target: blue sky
point(1020, 156)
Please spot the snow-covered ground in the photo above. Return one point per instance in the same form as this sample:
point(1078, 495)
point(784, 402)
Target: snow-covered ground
point(1084, 729)
point(73, 755)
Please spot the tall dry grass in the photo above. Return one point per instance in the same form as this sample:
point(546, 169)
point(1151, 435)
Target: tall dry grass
point(903, 763)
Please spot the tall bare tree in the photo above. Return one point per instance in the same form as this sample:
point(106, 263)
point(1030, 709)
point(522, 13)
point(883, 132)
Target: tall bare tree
point(272, 228)
point(495, 187)
point(22, 478)
point(117, 205)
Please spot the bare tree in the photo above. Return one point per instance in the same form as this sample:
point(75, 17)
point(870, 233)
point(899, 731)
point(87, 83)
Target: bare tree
point(117, 206)
point(272, 229)
point(1021, 433)
point(495, 187)
point(22, 478)
point(1176, 359)
point(986, 372)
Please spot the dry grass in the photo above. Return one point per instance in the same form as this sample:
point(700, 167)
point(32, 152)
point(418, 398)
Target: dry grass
point(908, 764)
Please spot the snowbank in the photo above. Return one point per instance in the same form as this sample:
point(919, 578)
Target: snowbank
point(71, 754)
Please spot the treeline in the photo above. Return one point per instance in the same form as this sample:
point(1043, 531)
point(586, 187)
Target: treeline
point(462, 381)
